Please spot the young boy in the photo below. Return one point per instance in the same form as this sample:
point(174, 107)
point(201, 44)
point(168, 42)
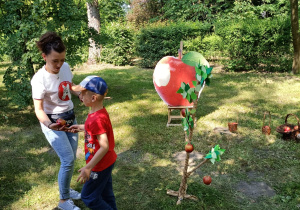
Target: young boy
point(97, 192)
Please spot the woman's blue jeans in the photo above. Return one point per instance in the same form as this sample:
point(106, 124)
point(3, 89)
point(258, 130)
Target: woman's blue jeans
point(65, 145)
point(97, 193)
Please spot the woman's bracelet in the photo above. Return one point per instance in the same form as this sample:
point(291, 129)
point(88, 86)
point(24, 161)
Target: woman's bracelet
point(79, 95)
point(49, 125)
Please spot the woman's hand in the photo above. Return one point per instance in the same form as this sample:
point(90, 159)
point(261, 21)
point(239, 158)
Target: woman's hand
point(57, 127)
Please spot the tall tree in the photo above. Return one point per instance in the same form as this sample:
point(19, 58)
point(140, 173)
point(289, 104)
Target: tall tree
point(94, 27)
point(296, 36)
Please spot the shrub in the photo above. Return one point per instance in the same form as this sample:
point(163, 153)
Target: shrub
point(161, 39)
point(210, 46)
point(262, 44)
point(118, 40)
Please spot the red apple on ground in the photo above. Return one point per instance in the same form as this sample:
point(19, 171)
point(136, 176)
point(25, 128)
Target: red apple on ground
point(287, 129)
point(296, 127)
point(182, 111)
point(61, 121)
point(189, 147)
point(167, 77)
point(207, 180)
point(266, 129)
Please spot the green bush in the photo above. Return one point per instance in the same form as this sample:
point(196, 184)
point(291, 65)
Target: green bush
point(161, 39)
point(261, 44)
point(210, 46)
point(118, 40)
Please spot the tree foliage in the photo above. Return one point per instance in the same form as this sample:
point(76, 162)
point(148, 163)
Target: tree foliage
point(144, 10)
point(21, 24)
point(111, 10)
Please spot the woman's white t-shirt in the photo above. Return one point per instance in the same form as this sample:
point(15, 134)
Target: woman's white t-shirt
point(54, 89)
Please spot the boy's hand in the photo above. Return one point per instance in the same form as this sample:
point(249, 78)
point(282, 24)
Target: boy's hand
point(74, 129)
point(84, 175)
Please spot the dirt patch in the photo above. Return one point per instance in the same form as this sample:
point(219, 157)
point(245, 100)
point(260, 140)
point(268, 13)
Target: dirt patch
point(255, 190)
point(195, 158)
point(223, 130)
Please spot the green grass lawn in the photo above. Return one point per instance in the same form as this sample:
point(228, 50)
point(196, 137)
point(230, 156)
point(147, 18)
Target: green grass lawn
point(146, 166)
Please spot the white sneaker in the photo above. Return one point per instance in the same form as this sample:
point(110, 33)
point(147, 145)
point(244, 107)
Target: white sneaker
point(67, 205)
point(74, 194)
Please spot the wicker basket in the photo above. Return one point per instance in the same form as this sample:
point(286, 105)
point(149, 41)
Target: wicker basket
point(293, 132)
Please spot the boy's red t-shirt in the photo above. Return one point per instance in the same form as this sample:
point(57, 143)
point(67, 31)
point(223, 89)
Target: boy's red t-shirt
point(98, 123)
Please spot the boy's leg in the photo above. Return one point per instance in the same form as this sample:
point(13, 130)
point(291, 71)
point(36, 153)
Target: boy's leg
point(92, 190)
point(64, 148)
point(108, 194)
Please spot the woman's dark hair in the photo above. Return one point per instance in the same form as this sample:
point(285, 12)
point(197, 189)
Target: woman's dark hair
point(50, 41)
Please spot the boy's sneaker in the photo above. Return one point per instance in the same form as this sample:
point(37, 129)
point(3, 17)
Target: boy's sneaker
point(67, 205)
point(74, 194)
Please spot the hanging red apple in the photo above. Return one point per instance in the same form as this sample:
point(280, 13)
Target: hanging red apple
point(207, 180)
point(189, 147)
point(182, 111)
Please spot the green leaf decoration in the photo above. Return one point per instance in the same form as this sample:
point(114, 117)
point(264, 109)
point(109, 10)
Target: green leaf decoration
point(191, 90)
point(188, 97)
point(180, 90)
point(207, 81)
point(184, 94)
point(215, 154)
point(193, 96)
point(208, 70)
point(198, 77)
point(208, 156)
point(183, 85)
point(202, 80)
point(194, 83)
point(194, 58)
point(198, 88)
point(198, 70)
point(204, 75)
point(187, 87)
point(192, 124)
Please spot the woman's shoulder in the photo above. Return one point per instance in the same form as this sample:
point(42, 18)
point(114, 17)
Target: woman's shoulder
point(65, 67)
point(39, 73)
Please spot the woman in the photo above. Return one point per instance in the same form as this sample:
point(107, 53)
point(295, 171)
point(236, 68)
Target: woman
point(51, 93)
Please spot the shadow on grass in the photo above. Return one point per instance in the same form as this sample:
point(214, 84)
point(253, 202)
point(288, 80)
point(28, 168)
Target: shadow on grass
point(23, 152)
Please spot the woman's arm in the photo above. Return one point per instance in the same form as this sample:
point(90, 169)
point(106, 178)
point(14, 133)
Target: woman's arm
point(42, 116)
point(40, 113)
point(76, 93)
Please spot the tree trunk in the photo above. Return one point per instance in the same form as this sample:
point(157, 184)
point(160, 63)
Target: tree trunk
point(94, 24)
point(296, 36)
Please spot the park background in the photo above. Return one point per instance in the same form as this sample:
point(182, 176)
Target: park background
point(253, 50)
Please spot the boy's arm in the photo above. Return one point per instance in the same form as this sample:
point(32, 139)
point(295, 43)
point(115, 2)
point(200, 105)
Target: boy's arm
point(75, 128)
point(86, 170)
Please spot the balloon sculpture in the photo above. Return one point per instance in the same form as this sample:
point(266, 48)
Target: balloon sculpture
point(178, 81)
